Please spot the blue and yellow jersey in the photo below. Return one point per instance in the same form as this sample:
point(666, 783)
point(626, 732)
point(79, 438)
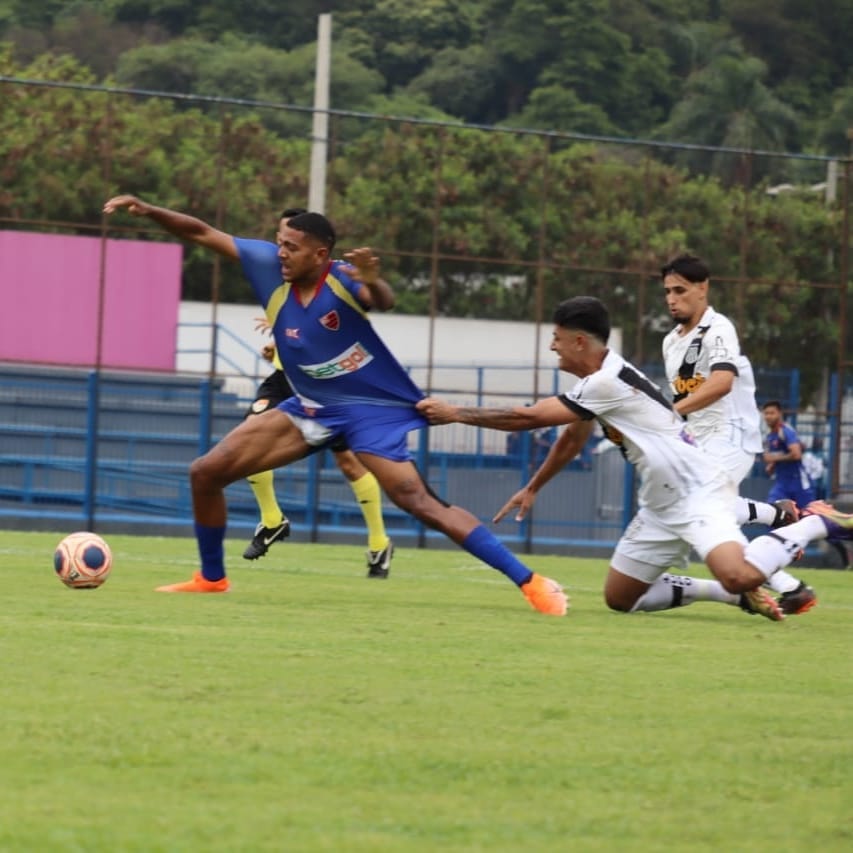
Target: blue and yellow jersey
point(328, 348)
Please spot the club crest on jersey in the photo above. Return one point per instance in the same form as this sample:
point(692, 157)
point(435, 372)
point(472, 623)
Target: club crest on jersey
point(331, 321)
point(348, 361)
point(692, 354)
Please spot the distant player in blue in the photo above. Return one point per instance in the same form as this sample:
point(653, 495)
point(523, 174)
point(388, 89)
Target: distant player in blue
point(783, 459)
point(347, 384)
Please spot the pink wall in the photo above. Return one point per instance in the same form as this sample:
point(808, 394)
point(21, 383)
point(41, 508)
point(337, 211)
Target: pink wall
point(49, 290)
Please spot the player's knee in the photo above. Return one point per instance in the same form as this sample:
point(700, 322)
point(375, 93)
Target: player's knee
point(734, 580)
point(204, 474)
point(349, 465)
point(616, 603)
point(417, 501)
point(198, 471)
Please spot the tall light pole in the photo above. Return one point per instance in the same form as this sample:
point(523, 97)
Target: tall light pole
point(320, 123)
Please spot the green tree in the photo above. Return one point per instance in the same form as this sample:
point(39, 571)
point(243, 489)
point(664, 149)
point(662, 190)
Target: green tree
point(599, 219)
point(726, 104)
point(546, 45)
point(800, 44)
point(405, 36)
point(459, 81)
point(556, 107)
point(236, 68)
point(836, 132)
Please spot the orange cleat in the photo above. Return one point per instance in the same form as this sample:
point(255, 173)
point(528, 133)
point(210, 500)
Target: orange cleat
point(546, 596)
point(198, 584)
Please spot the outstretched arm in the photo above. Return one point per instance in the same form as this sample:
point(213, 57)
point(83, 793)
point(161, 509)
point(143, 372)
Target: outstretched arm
point(180, 224)
point(364, 267)
point(547, 412)
point(568, 445)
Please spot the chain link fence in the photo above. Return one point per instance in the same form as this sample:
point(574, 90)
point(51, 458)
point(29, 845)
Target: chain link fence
point(493, 223)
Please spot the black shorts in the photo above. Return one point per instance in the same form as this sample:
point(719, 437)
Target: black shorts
point(270, 393)
point(275, 389)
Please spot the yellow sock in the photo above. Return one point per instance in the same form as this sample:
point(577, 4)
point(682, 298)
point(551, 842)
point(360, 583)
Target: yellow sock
point(369, 497)
point(264, 489)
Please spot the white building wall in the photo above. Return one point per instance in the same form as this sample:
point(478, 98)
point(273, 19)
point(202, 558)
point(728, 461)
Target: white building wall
point(474, 361)
point(507, 351)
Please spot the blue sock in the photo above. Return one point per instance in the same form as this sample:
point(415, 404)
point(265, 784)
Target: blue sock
point(211, 549)
point(485, 546)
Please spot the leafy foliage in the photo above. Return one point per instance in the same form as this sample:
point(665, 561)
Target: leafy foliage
point(625, 67)
point(516, 220)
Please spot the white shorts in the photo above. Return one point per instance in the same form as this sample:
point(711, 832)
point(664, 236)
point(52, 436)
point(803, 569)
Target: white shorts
point(735, 461)
point(656, 541)
point(314, 433)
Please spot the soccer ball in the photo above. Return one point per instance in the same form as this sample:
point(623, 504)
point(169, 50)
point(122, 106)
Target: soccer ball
point(83, 560)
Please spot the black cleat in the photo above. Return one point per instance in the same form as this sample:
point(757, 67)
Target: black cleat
point(264, 537)
point(379, 562)
point(797, 601)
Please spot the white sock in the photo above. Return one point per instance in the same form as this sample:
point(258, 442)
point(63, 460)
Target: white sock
point(776, 550)
point(806, 530)
point(670, 591)
point(780, 581)
point(754, 512)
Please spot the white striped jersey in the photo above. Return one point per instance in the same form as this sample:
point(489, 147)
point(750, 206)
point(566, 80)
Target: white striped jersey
point(636, 416)
point(713, 345)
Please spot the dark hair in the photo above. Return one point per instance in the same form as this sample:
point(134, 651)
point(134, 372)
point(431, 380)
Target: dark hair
point(585, 313)
point(315, 225)
point(687, 266)
point(772, 403)
point(290, 212)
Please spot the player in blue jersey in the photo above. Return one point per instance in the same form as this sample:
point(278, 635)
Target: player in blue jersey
point(274, 525)
point(347, 385)
point(783, 459)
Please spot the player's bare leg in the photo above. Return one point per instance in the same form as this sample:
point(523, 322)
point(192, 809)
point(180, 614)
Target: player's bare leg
point(266, 441)
point(404, 485)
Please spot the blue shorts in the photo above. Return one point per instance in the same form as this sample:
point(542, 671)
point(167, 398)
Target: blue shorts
point(793, 491)
point(376, 429)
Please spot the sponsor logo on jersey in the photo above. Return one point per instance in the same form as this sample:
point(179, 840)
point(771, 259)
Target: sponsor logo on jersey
point(260, 406)
point(331, 321)
point(291, 333)
point(687, 386)
point(348, 361)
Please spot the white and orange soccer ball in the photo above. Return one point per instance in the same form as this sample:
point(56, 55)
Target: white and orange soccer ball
point(83, 560)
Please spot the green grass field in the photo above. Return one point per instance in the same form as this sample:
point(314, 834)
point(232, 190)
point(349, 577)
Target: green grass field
point(312, 709)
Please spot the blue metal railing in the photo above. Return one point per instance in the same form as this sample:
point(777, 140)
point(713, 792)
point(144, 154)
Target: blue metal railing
point(117, 449)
